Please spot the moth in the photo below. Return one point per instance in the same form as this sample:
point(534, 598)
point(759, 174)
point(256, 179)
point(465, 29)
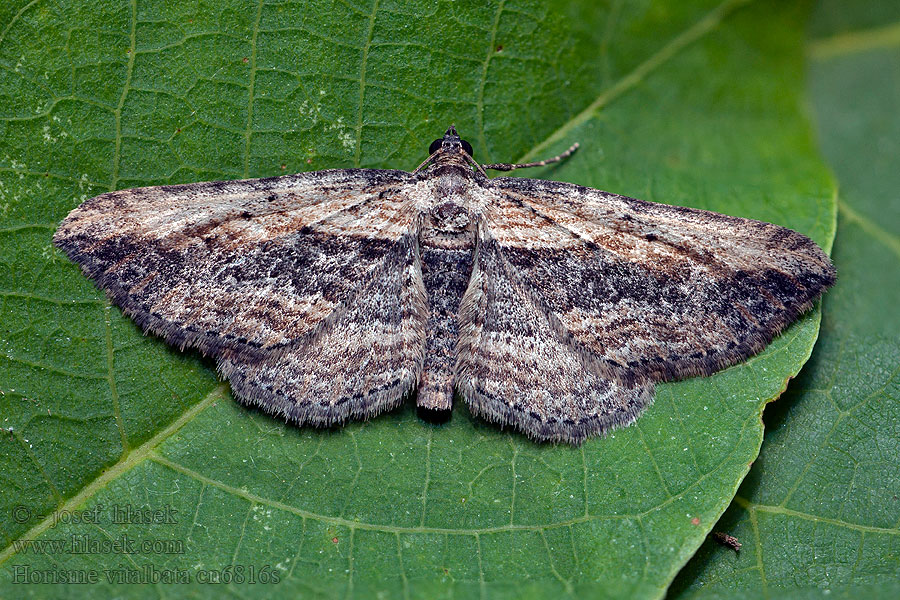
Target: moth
point(549, 307)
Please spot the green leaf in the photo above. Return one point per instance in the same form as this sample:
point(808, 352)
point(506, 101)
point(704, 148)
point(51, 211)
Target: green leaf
point(820, 509)
point(686, 103)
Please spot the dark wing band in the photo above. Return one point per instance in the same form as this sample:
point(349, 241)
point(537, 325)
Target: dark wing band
point(656, 292)
point(516, 367)
point(260, 272)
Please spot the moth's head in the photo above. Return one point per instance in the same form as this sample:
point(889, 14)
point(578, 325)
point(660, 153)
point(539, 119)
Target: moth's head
point(450, 144)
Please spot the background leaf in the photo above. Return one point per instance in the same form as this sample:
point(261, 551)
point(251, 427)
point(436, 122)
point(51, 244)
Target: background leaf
point(692, 103)
point(820, 509)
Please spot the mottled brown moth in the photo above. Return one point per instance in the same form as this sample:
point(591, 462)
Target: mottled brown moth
point(549, 307)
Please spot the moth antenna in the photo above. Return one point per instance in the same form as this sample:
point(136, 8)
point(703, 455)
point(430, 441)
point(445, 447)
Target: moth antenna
point(540, 163)
point(426, 161)
point(478, 167)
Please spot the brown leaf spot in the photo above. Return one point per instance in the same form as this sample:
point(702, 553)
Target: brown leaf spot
point(695, 521)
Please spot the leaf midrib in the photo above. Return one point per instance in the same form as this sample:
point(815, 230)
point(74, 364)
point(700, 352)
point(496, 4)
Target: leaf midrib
point(705, 25)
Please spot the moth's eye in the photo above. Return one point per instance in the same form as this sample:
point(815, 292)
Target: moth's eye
point(434, 146)
point(467, 147)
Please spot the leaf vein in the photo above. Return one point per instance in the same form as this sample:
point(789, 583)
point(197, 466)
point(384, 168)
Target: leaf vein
point(126, 463)
point(248, 130)
point(780, 510)
point(705, 25)
point(129, 68)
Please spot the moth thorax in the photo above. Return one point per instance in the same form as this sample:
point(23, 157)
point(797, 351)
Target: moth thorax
point(449, 217)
